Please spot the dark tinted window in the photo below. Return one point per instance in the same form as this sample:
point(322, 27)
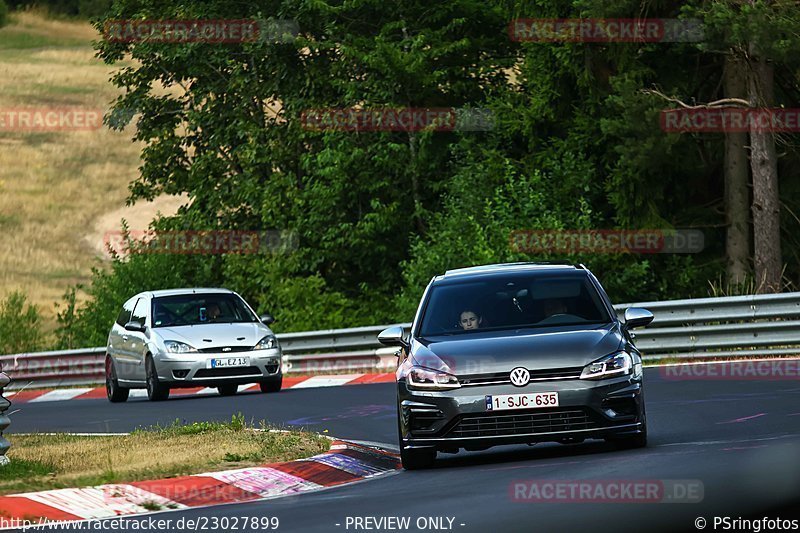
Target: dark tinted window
point(125, 315)
point(140, 312)
point(192, 309)
point(512, 301)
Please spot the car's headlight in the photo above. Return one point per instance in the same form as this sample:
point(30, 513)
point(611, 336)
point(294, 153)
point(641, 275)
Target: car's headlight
point(421, 378)
point(178, 347)
point(617, 364)
point(267, 343)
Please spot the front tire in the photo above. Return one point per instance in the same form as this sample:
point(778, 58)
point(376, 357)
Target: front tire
point(273, 385)
point(635, 441)
point(227, 390)
point(114, 392)
point(417, 459)
point(414, 459)
point(156, 390)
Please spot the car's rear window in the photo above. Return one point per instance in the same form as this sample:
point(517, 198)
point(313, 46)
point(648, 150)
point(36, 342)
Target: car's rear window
point(512, 301)
point(194, 309)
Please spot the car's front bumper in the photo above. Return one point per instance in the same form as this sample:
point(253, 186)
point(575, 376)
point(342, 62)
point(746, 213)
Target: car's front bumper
point(190, 370)
point(459, 418)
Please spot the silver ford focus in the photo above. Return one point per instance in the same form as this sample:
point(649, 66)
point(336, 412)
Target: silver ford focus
point(190, 337)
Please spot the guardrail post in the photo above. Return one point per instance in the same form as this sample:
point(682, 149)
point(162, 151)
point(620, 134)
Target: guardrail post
point(4, 420)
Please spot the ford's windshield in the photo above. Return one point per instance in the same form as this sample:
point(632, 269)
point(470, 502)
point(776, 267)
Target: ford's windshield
point(194, 309)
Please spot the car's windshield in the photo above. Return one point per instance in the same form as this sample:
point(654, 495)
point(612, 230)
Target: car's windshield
point(193, 309)
point(512, 301)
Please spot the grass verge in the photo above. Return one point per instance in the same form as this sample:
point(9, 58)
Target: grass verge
point(43, 462)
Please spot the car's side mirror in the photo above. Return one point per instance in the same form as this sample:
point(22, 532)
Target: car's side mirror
point(267, 318)
point(393, 336)
point(134, 326)
point(637, 317)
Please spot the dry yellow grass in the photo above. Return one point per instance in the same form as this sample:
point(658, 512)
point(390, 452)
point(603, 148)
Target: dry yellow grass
point(75, 461)
point(55, 187)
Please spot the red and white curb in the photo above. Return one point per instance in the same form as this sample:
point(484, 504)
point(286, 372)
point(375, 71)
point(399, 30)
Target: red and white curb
point(289, 382)
point(344, 463)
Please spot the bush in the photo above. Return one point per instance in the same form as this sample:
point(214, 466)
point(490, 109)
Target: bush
point(20, 325)
point(93, 8)
point(69, 8)
point(3, 13)
point(88, 325)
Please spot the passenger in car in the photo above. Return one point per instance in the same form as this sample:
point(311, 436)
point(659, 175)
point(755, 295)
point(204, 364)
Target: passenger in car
point(469, 319)
point(553, 306)
point(213, 311)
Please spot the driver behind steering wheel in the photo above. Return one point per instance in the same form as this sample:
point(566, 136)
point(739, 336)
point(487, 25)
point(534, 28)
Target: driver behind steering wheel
point(553, 307)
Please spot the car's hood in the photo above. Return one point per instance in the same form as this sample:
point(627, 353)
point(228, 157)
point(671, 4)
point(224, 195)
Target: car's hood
point(495, 352)
point(215, 335)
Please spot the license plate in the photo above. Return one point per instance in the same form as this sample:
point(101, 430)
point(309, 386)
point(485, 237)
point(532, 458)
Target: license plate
point(533, 400)
point(227, 362)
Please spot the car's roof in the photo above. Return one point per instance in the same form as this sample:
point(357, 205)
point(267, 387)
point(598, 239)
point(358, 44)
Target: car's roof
point(507, 268)
point(179, 292)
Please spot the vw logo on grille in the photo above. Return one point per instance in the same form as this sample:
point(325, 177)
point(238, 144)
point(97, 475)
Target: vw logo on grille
point(520, 377)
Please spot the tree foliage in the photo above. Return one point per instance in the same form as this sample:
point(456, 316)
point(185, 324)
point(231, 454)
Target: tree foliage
point(576, 145)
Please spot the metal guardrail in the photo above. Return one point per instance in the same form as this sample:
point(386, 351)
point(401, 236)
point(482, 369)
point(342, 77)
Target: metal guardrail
point(5, 421)
point(755, 325)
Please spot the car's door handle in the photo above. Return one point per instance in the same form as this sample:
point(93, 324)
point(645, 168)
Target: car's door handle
point(125, 338)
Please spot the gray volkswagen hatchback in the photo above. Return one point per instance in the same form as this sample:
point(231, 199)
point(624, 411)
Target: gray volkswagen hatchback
point(516, 353)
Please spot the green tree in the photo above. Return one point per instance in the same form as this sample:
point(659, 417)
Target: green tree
point(233, 137)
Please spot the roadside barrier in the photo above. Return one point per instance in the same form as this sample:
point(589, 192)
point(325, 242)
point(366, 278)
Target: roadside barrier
point(765, 325)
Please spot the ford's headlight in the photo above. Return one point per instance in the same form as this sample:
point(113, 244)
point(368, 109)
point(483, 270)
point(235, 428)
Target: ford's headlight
point(267, 343)
point(616, 364)
point(421, 378)
point(178, 347)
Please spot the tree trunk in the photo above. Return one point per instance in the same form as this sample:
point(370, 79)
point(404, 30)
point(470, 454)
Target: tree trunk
point(416, 196)
point(764, 167)
point(736, 171)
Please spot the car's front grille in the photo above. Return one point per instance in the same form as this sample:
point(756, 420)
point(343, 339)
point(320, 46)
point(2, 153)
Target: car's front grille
point(227, 372)
point(226, 349)
point(520, 423)
point(499, 378)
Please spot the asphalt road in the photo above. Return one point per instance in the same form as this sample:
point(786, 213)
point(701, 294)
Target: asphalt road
point(739, 441)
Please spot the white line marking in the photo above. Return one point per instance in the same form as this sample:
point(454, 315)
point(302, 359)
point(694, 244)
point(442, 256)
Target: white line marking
point(743, 419)
point(326, 381)
point(60, 395)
